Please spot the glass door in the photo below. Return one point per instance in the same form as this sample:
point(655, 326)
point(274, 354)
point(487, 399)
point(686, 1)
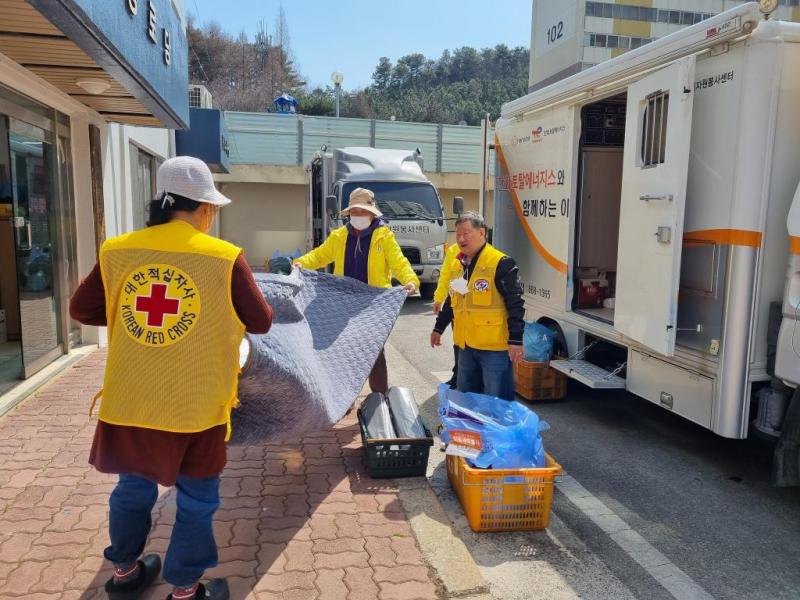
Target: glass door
point(10, 345)
point(32, 163)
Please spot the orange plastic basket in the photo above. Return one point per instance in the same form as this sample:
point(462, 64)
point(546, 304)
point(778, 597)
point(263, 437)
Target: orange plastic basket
point(504, 499)
point(537, 381)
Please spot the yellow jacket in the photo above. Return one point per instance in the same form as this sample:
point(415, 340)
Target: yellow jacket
point(449, 271)
point(384, 261)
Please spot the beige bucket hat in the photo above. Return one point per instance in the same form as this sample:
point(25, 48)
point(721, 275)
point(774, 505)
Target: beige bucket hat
point(362, 198)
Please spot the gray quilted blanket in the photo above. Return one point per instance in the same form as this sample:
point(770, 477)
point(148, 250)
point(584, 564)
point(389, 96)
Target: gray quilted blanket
point(309, 369)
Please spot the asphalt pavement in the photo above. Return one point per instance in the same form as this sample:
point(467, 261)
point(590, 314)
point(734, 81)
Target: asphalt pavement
point(651, 506)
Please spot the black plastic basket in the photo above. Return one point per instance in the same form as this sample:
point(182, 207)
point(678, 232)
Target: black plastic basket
point(399, 457)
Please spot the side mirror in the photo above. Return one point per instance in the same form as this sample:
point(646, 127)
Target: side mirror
point(458, 205)
point(331, 204)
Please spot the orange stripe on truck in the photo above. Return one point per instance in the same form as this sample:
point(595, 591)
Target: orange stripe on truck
point(549, 258)
point(723, 237)
point(794, 244)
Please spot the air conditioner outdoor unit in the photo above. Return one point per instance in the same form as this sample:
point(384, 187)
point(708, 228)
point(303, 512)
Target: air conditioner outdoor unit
point(199, 96)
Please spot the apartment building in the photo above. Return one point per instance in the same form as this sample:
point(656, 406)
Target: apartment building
point(568, 36)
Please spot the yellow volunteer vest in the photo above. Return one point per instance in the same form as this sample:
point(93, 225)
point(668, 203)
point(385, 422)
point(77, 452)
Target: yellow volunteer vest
point(480, 319)
point(174, 336)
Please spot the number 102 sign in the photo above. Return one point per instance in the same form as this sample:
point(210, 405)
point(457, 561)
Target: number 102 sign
point(554, 23)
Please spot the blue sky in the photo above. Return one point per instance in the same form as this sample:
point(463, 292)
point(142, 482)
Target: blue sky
point(351, 35)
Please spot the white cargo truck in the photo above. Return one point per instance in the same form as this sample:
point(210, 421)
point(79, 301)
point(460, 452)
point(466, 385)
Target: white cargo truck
point(407, 199)
point(646, 201)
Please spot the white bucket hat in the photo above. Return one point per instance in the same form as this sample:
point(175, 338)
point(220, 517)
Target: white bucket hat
point(189, 177)
point(362, 198)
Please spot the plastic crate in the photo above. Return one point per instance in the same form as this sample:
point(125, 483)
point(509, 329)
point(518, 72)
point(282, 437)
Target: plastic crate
point(537, 381)
point(399, 457)
point(504, 499)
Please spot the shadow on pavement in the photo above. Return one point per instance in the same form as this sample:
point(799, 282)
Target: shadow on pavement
point(286, 511)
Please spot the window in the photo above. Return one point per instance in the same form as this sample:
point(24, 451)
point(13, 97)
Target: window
point(143, 183)
point(611, 10)
point(603, 40)
point(400, 201)
point(654, 129)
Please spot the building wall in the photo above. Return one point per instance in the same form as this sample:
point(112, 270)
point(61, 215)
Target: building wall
point(263, 218)
point(118, 184)
point(556, 40)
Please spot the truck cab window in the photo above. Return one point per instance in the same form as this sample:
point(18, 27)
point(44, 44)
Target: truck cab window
point(400, 200)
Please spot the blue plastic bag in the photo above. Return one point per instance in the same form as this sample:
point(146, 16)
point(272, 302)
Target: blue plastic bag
point(508, 433)
point(537, 340)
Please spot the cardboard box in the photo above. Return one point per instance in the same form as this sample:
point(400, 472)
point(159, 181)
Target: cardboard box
point(3, 334)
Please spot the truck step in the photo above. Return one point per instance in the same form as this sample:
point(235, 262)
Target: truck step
point(588, 374)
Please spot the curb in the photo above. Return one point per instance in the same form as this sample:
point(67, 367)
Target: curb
point(43, 378)
point(454, 570)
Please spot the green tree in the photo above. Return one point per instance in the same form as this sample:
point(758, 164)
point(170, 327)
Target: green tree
point(383, 74)
point(462, 85)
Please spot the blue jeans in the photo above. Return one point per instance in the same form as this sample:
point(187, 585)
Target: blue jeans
point(192, 548)
point(487, 372)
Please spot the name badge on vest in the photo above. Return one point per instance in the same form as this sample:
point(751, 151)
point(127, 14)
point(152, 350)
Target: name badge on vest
point(159, 305)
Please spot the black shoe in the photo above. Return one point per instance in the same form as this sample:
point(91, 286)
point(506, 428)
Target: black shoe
point(216, 589)
point(149, 568)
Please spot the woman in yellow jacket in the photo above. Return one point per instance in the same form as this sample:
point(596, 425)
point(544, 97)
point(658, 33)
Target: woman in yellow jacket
point(365, 249)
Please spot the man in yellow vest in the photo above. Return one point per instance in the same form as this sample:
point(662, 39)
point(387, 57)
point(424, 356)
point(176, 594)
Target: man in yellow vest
point(177, 303)
point(487, 310)
point(365, 249)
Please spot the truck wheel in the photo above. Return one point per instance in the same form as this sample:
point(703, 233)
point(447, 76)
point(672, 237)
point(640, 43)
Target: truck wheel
point(426, 290)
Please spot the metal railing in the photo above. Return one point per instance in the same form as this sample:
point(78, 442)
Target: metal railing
point(277, 139)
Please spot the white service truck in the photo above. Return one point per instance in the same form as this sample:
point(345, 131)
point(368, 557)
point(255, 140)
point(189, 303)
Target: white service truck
point(408, 200)
point(646, 201)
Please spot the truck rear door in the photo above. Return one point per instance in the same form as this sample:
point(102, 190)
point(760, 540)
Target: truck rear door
point(655, 170)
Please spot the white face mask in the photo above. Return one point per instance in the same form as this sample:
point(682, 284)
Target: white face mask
point(361, 223)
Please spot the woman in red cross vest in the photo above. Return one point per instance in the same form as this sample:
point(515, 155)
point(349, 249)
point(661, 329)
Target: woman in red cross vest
point(176, 302)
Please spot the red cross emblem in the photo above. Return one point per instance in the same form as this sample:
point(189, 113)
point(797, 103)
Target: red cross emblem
point(157, 305)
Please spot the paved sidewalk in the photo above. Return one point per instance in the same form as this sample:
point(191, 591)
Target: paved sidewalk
point(298, 522)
